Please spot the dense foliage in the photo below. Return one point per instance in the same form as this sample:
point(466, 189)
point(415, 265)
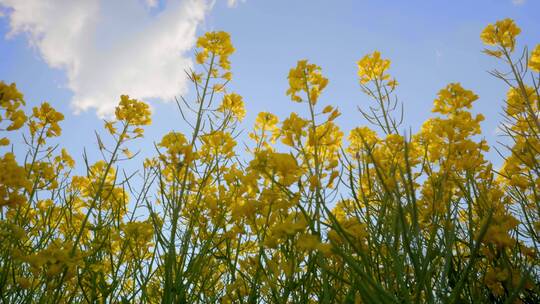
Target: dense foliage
point(304, 216)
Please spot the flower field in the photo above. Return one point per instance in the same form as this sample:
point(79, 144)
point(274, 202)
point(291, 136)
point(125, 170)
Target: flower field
point(299, 213)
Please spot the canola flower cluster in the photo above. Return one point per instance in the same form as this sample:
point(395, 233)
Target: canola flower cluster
point(312, 215)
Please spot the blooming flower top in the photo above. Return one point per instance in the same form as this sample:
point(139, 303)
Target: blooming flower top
point(265, 130)
point(373, 67)
point(45, 118)
point(306, 77)
point(502, 33)
point(10, 102)
point(233, 105)
point(216, 44)
point(453, 98)
point(132, 111)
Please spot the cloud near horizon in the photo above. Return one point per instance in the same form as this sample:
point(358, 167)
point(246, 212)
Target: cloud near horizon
point(109, 48)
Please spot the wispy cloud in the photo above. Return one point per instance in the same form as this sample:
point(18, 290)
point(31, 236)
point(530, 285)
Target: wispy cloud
point(109, 48)
point(518, 2)
point(233, 3)
point(152, 3)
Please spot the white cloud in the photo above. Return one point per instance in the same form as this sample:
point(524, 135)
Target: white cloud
point(108, 48)
point(518, 2)
point(152, 3)
point(233, 3)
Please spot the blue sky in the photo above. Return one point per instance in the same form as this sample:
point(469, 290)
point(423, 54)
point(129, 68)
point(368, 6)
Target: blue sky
point(430, 43)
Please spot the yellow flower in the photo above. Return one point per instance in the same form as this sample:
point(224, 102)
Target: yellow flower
point(127, 153)
point(174, 142)
point(503, 33)
point(308, 241)
point(265, 129)
point(500, 228)
point(201, 57)
point(12, 181)
point(133, 112)
point(293, 129)
point(516, 102)
point(10, 101)
point(218, 143)
point(4, 141)
point(46, 118)
point(335, 114)
point(534, 60)
point(328, 109)
point(45, 174)
point(109, 125)
point(282, 165)
point(306, 78)
point(327, 136)
point(139, 233)
point(24, 283)
point(177, 147)
point(493, 278)
point(361, 138)
point(64, 159)
point(314, 182)
point(373, 67)
point(217, 44)
point(266, 121)
point(233, 104)
point(453, 98)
